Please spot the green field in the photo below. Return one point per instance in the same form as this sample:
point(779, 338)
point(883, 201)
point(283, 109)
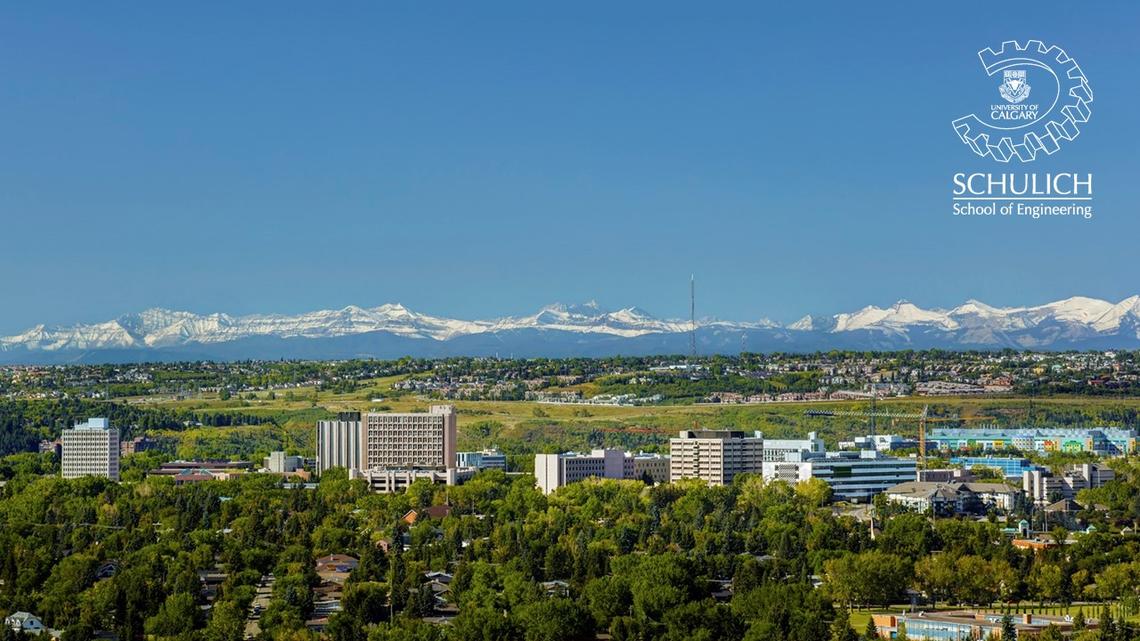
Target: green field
point(522, 427)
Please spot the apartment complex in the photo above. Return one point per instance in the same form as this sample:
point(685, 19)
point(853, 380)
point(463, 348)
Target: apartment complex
point(1104, 441)
point(715, 456)
point(338, 442)
point(552, 471)
point(410, 440)
point(954, 498)
point(91, 449)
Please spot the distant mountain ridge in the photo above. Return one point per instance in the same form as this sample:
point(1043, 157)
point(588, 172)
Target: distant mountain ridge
point(392, 330)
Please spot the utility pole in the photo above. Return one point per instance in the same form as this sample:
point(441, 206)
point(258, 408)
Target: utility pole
point(693, 317)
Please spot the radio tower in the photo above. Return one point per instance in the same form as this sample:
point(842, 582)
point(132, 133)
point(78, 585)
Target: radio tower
point(693, 317)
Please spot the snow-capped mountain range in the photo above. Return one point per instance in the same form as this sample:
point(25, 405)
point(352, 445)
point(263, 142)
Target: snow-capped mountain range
point(560, 330)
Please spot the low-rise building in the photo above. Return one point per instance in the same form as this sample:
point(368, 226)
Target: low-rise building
point(1043, 487)
point(852, 476)
point(946, 626)
point(954, 497)
point(491, 459)
point(21, 621)
point(280, 463)
point(552, 471)
point(389, 480)
point(1104, 441)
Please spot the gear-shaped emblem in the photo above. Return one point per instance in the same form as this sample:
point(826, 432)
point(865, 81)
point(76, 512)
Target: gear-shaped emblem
point(1045, 133)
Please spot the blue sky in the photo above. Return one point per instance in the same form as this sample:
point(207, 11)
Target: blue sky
point(483, 159)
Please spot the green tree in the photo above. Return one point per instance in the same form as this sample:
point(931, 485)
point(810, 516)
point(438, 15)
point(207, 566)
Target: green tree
point(841, 628)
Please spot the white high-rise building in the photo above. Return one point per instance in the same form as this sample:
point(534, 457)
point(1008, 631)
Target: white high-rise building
point(338, 442)
point(91, 449)
point(715, 456)
point(410, 440)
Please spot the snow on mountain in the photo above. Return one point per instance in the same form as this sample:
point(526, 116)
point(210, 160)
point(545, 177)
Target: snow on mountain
point(1061, 324)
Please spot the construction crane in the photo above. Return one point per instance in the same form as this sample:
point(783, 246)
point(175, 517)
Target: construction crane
point(922, 417)
point(874, 413)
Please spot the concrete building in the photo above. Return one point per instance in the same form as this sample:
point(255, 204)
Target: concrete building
point(881, 442)
point(852, 476)
point(1042, 487)
point(643, 465)
point(338, 442)
point(552, 471)
point(139, 444)
point(715, 456)
point(91, 449)
point(279, 463)
point(779, 449)
point(491, 459)
point(386, 481)
point(410, 440)
point(1104, 441)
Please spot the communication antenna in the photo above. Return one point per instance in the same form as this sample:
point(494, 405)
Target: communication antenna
point(693, 317)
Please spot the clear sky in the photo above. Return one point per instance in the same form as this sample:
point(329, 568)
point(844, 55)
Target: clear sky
point(483, 159)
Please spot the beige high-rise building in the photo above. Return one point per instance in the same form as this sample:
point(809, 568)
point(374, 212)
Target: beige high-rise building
point(90, 449)
point(397, 441)
point(715, 456)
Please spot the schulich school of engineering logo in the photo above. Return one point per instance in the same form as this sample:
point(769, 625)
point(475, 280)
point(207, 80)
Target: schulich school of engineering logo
point(1019, 127)
point(1039, 105)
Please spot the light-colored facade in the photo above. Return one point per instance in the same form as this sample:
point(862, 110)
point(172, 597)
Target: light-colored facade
point(91, 449)
point(714, 456)
point(410, 440)
point(552, 471)
point(655, 467)
point(280, 463)
point(777, 449)
point(483, 460)
point(1043, 487)
point(338, 442)
point(390, 480)
point(852, 476)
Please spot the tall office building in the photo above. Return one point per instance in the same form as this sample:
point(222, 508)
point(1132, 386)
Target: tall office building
point(715, 456)
point(393, 441)
point(91, 449)
point(338, 442)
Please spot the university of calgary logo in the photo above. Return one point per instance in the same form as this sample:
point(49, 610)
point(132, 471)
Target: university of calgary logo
point(1014, 88)
point(1016, 128)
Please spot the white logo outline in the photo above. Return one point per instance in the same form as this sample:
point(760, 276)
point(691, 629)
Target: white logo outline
point(1043, 134)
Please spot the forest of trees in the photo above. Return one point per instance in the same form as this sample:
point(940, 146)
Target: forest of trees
point(641, 563)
